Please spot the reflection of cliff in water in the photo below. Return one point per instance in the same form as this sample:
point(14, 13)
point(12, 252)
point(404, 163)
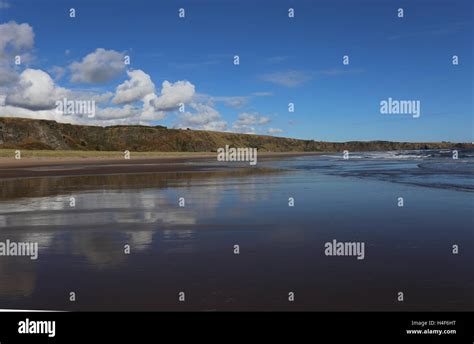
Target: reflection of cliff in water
point(42, 187)
point(96, 230)
point(17, 276)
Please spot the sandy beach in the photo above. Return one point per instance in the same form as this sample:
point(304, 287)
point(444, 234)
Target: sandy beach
point(68, 165)
point(190, 246)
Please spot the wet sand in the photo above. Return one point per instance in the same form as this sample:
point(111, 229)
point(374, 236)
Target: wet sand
point(55, 167)
point(190, 248)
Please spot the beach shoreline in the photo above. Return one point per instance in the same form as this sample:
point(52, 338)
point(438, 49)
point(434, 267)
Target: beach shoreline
point(49, 166)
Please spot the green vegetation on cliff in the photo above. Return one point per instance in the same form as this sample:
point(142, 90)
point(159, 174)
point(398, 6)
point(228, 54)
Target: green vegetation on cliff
point(50, 135)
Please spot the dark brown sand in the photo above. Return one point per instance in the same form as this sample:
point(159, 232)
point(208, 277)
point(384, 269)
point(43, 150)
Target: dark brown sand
point(49, 167)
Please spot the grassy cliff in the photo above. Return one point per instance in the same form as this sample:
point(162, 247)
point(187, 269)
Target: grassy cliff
point(50, 135)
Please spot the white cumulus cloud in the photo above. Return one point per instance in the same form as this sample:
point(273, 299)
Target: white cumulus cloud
point(204, 117)
point(8, 75)
point(138, 86)
point(35, 90)
point(149, 113)
point(173, 94)
point(98, 67)
point(15, 38)
point(108, 113)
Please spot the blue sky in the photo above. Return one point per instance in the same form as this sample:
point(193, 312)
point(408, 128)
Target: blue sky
point(282, 60)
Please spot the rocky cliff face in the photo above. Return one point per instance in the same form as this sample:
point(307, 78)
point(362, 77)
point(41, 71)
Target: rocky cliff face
point(41, 134)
